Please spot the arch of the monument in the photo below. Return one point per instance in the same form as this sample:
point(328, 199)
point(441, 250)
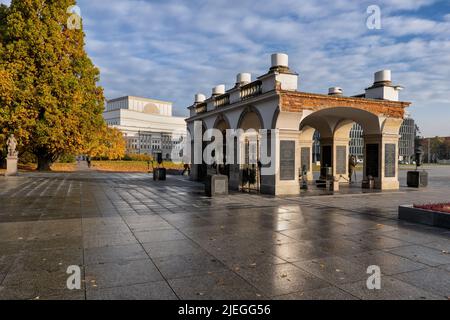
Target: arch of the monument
point(246, 175)
point(334, 125)
point(223, 124)
point(250, 118)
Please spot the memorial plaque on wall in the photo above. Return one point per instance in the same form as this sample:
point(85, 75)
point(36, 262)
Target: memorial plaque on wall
point(341, 160)
point(372, 160)
point(287, 160)
point(389, 160)
point(306, 158)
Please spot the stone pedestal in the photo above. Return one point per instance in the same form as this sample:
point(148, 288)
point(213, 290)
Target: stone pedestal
point(216, 185)
point(417, 179)
point(11, 166)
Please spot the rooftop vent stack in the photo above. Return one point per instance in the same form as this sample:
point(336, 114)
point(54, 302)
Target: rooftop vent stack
point(383, 88)
point(383, 77)
point(218, 90)
point(200, 98)
point(280, 60)
point(335, 91)
point(243, 79)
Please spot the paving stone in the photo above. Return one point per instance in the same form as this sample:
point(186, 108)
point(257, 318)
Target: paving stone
point(376, 241)
point(445, 267)
point(425, 255)
point(123, 273)
point(102, 255)
point(292, 252)
point(304, 233)
point(413, 236)
point(442, 245)
point(217, 286)
point(338, 246)
point(334, 270)
point(158, 290)
point(171, 248)
point(329, 293)
point(242, 246)
point(236, 262)
point(108, 240)
point(56, 243)
point(391, 289)
point(188, 265)
point(34, 284)
point(159, 235)
point(389, 263)
point(431, 279)
point(50, 260)
point(6, 261)
point(280, 279)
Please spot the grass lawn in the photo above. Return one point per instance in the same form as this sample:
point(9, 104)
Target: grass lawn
point(56, 167)
point(64, 167)
point(130, 166)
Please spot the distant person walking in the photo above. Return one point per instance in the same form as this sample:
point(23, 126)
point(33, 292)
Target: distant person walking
point(187, 169)
point(352, 163)
point(88, 160)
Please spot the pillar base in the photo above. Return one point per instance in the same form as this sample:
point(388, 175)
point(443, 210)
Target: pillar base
point(390, 185)
point(11, 166)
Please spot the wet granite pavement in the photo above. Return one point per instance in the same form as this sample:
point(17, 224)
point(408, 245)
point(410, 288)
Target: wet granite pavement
point(134, 238)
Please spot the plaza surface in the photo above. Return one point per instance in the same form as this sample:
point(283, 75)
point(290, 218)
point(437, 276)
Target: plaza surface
point(139, 239)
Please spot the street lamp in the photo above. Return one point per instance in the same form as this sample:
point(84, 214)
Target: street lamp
point(419, 157)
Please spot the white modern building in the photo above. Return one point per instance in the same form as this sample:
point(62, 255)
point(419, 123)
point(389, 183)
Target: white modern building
point(147, 124)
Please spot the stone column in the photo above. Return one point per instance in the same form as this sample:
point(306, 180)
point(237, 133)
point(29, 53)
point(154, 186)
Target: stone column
point(194, 167)
point(381, 160)
point(286, 180)
point(389, 162)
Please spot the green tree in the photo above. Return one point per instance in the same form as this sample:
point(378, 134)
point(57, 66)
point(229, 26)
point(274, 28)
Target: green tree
point(50, 99)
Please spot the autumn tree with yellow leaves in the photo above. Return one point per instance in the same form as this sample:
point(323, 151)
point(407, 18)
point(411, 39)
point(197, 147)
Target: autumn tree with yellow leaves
point(49, 94)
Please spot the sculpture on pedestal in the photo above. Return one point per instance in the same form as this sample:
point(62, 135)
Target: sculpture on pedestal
point(12, 145)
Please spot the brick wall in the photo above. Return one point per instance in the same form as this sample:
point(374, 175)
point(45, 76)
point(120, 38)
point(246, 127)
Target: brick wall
point(298, 101)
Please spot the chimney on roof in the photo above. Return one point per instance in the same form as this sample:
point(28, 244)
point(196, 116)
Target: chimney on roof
point(200, 98)
point(335, 91)
point(383, 77)
point(280, 62)
point(383, 88)
point(243, 79)
point(218, 90)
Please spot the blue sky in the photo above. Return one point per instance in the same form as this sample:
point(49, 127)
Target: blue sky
point(173, 49)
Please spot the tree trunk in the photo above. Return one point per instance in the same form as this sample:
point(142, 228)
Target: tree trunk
point(44, 162)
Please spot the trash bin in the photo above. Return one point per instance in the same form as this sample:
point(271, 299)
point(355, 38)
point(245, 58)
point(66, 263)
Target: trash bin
point(159, 174)
point(417, 179)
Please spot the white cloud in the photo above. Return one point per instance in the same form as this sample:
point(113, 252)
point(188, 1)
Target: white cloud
point(172, 49)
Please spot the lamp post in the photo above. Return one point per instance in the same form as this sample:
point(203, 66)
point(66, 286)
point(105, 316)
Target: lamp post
point(418, 179)
point(419, 157)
